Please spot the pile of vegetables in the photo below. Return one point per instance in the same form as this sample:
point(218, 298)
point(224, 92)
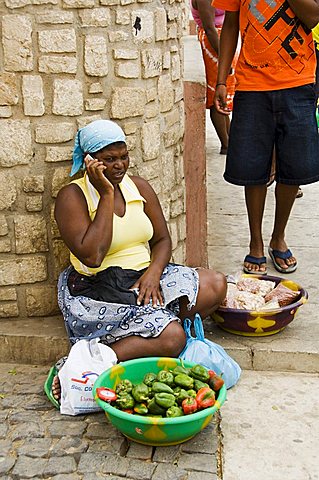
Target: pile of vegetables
point(169, 393)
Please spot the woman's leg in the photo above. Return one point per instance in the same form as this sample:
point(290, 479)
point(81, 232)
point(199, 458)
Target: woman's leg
point(169, 343)
point(212, 291)
point(221, 125)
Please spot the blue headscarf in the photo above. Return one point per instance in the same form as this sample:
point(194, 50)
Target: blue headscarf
point(92, 138)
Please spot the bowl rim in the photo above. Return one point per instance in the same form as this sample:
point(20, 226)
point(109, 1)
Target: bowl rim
point(303, 298)
point(222, 394)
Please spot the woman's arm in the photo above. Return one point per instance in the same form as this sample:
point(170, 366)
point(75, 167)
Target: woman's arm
point(227, 49)
point(306, 10)
point(88, 240)
point(207, 16)
point(160, 245)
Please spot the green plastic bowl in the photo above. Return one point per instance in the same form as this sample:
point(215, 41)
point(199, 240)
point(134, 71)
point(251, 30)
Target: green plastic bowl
point(152, 430)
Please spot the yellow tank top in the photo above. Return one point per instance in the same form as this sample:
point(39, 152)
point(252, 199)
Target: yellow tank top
point(131, 233)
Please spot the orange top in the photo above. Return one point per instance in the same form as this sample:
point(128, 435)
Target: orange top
point(277, 50)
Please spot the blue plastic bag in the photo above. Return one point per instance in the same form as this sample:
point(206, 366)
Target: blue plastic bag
point(209, 354)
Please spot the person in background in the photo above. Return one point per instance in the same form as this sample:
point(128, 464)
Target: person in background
point(121, 286)
point(209, 22)
point(274, 107)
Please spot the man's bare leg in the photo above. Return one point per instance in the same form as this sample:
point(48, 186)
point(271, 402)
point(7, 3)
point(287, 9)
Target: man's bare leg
point(255, 196)
point(285, 197)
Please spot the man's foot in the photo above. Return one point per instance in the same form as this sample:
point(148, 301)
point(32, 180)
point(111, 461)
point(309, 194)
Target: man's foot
point(255, 265)
point(56, 388)
point(283, 259)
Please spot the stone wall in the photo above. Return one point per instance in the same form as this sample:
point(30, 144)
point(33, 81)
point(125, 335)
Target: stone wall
point(64, 63)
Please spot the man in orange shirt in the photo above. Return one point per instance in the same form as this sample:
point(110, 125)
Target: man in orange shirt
point(274, 107)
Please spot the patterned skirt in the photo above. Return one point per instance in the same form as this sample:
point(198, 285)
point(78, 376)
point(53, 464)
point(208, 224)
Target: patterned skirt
point(86, 318)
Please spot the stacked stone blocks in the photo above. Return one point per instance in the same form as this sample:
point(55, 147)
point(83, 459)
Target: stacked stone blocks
point(64, 63)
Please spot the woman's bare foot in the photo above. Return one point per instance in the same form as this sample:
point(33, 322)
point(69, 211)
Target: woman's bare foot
point(56, 388)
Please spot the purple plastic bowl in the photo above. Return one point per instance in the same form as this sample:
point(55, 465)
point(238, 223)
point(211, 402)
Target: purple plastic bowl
point(252, 323)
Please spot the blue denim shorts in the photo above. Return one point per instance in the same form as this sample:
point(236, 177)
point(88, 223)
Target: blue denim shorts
point(281, 119)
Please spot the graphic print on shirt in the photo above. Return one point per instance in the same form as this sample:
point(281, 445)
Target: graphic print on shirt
point(275, 37)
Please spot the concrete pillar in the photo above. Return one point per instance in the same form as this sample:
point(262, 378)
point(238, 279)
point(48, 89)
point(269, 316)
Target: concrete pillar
point(195, 155)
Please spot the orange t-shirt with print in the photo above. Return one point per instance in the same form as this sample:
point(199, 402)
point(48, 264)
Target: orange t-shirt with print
point(277, 49)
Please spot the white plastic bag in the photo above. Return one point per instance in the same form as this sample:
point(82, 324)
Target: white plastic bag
point(209, 354)
point(86, 361)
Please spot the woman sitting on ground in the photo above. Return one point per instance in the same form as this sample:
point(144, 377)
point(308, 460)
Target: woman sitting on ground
point(120, 286)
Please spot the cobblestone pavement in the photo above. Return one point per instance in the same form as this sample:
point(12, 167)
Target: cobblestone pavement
point(37, 442)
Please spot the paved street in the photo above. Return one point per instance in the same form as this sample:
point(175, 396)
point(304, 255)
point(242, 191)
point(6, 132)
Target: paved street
point(268, 429)
point(37, 442)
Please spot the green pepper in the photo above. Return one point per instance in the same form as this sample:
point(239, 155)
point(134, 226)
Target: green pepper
point(140, 408)
point(164, 400)
point(140, 392)
point(174, 411)
point(154, 408)
point(198, 385)
point(125, 401)
point(165, 377)
point(184, 381)
point(179, 369)
point(159, 387)
point(154, 416)
point(200, 373)
point(192, 393)
point(177, 390)
point(149, 378)
point(181, 396)
point(125, 386)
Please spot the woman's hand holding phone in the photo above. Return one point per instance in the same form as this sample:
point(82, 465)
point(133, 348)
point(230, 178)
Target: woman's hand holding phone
point(96, 171)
